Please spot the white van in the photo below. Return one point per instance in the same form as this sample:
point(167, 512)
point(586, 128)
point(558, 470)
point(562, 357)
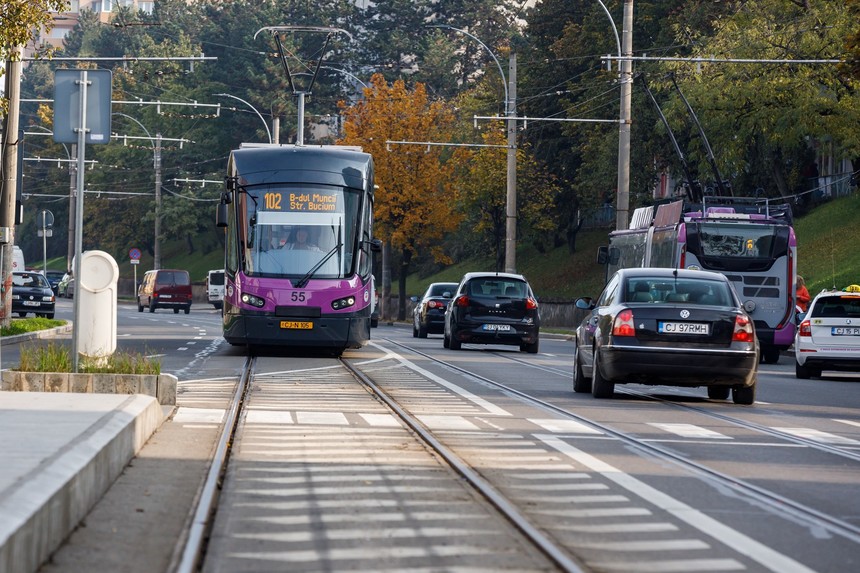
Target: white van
point(17, 259)
point(215, 288)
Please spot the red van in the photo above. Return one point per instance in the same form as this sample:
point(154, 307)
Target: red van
point(165, 288)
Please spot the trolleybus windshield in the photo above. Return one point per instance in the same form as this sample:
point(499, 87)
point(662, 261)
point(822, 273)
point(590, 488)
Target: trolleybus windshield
point(291, 230)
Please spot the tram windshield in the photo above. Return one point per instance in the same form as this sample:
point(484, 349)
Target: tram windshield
point(291, 231)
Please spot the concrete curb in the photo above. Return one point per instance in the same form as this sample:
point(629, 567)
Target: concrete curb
point(50, 490)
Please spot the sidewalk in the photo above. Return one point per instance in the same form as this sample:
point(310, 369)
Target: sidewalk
point(60, 453)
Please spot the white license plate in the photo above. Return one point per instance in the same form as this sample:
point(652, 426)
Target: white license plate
point(683, 328)
point(845, 331)
point(166, 296)
point(31, 303)
point(504, 327)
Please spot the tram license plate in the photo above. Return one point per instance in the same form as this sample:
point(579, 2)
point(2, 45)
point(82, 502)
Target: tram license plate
point(297, 324)
point(502, 327)
point(683, 328)
point(845, 331)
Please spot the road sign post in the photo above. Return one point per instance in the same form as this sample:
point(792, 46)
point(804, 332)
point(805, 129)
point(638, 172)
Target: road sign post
point(134, 256)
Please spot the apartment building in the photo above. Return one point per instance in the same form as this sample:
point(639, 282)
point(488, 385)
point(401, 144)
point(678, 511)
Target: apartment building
point(65, 22)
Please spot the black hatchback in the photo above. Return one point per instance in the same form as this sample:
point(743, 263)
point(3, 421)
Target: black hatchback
point(31, 292)
point(428, 315)
point(493, 308)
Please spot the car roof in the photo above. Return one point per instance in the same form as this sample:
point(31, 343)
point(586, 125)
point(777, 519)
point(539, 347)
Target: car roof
point(663, 273)
point(470, 276)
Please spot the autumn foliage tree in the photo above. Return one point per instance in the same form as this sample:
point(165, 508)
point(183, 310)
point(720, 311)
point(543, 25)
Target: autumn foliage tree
point(414, 206)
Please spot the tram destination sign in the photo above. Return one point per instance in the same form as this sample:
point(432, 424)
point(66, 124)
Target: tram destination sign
point(316, 201)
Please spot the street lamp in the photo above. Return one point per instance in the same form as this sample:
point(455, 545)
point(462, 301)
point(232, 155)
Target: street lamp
point(156, 162)
point(266, 125)
point(511, 180)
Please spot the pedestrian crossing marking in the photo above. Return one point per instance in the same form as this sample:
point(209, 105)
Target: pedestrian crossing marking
point(690, 431)
point(561, 426)
point(819, 436)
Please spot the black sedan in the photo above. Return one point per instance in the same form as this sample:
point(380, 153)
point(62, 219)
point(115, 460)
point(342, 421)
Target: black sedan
point(31, 292)
point(428, 316)
point(493, 308)
point(666, 327)
point(54, 278)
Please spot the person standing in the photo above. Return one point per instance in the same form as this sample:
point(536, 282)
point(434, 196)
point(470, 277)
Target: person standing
point(802, 295)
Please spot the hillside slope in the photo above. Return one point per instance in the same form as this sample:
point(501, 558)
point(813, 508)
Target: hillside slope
point(827, 255)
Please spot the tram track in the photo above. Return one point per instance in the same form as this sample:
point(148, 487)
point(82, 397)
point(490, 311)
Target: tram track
point(777, 502)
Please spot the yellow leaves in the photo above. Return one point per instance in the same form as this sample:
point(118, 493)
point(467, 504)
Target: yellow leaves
point(414, 206)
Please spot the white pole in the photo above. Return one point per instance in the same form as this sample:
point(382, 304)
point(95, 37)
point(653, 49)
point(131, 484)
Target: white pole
point(79, 219)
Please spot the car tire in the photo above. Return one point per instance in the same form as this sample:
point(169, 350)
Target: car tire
point(415, 329)
point(600, 386)
point(175, 311)
point(744, 395)
point(453, 343)
point(22, 314)
point(719, 392)
point(581, 384)
point(151, 307)
point(187, 309)
point(139, 306)
point(446, 342)
point(805, 372)
point(422, 331)
point(532, 348)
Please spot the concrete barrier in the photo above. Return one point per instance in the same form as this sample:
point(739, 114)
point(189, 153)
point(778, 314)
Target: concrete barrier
point(160, 386)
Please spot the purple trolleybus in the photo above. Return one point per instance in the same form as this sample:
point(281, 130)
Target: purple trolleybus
point(299, 239)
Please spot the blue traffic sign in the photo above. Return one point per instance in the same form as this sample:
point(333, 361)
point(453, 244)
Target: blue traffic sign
point(134, 254)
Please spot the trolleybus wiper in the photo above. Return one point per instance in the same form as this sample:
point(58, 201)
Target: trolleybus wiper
point(304, 280)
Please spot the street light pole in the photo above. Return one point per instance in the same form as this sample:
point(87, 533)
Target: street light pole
point(266, 125)
point(622, 201)
point(511, 179)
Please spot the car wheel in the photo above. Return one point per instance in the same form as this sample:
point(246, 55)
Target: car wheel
point(151, 307)
point(581, 384)
point(770, 355)
point(453, 343)
point(422, 331)
point(805, 372)
point(415, 329)
point(600, 386)
point(719, 392)
point(139, 306)
point(743, 394)
point(187, 309)
point(22, 314)
point(530, 348)
point(175, 311)
point(446, 342)
point(50, 315)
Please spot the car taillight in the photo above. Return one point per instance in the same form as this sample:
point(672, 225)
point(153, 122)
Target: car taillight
point(434, 304)
point(806, 328)
point(623, 325)
point(743, 329)
point(531, 304)
point(462, 300)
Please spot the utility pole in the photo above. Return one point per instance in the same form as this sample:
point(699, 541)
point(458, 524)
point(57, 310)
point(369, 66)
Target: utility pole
point(10, 179)
point(156, 249)
point(73, 177)
point(622, 200)
point(511, 184)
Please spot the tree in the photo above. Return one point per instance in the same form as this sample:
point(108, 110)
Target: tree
point(415, 199)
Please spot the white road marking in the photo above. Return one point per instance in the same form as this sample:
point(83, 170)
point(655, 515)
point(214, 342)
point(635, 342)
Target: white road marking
point(849, 422)
point(690, 431)
point(819, 436)
point(672, 566)
point(322, 418)
point(758, 552)
point(447, 423)
point(268, 417)
point(198, 415)
point(383, 420)
point(561, 426)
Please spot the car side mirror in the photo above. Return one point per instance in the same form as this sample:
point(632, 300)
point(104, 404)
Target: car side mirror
point(413, 298)
point(584, 303)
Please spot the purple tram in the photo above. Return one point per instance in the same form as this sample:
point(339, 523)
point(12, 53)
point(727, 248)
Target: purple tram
point(299, 246)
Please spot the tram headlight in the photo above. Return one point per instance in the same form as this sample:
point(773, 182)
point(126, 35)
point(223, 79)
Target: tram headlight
point(253, 300)
point(343, 303)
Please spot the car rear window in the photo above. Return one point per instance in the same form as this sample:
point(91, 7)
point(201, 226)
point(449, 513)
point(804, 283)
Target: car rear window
point(172, 278)
point(498, 287)
point(29, 280)
point(696, 291)
point(439, 290)
point(836, 306)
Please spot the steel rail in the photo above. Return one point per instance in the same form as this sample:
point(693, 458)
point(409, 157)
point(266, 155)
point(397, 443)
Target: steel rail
point(501, 503)
point(800, 440)
point(778, 502)
point(206, 501)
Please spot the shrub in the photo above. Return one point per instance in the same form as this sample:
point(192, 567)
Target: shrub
point(53, 357)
